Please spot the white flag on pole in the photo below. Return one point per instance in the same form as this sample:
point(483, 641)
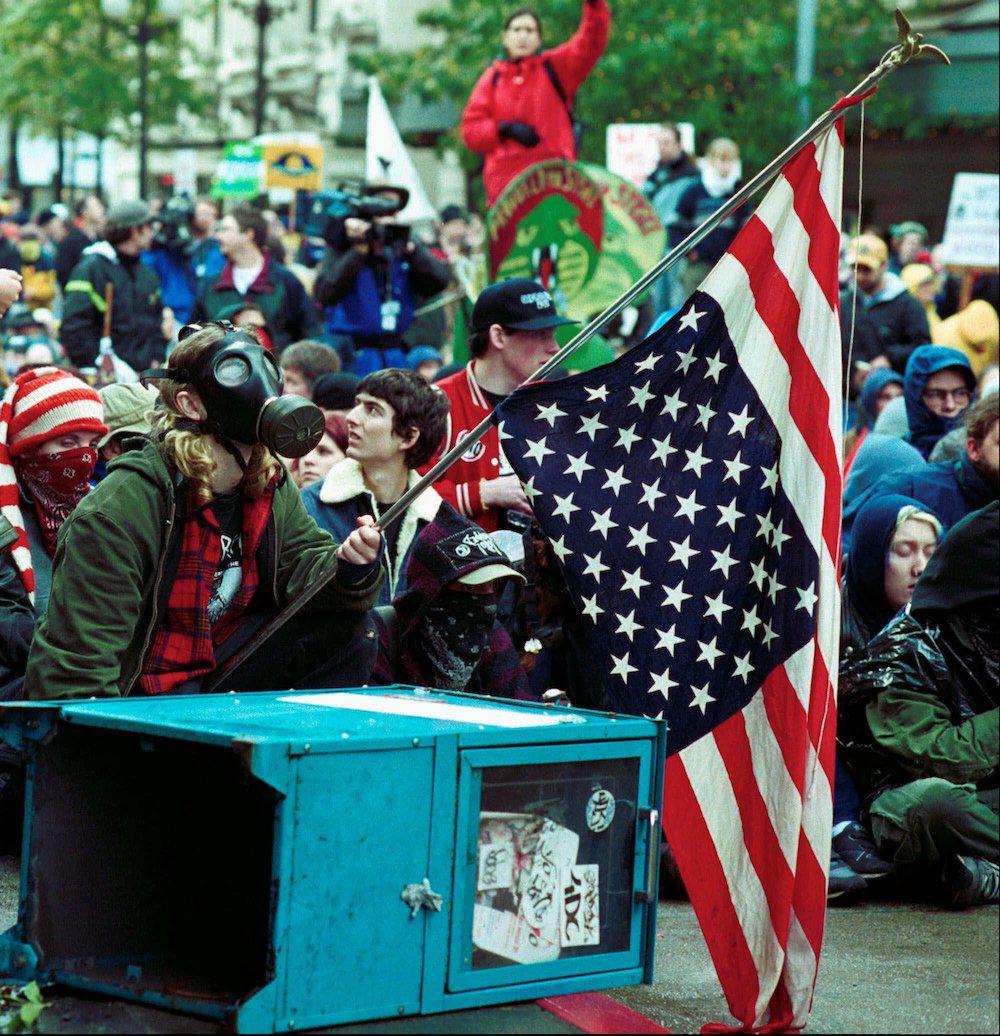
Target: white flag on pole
point(387, 160)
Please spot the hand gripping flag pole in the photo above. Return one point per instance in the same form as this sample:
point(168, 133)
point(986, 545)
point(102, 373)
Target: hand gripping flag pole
point(909, 45)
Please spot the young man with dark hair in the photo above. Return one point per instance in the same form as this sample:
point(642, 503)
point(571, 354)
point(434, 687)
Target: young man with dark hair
point(396, 426)
point(252, 274)
point(136, 304)
point(512, 336)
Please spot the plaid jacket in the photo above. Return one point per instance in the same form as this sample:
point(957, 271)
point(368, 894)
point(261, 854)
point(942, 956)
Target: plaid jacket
point(184, 646)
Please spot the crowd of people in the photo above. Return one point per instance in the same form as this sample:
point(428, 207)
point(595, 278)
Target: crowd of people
point(203, 417)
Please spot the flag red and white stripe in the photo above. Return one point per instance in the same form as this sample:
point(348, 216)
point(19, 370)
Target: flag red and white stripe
point(747, 808)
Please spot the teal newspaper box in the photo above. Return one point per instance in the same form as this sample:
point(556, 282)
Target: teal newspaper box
point(286, 861)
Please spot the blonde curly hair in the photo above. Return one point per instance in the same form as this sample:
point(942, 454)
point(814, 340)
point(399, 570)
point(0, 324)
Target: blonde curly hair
point(189, 449)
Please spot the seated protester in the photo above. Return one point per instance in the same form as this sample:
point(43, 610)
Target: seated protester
point(330, 450)
point(879, 459)
point(248, 316)
point(194, 540)
point(880, 388)
point(50, 423)
point(334, 393)
point(938, 386)
point(442, 630)
point(952, 490)
point(128, 408)
point(918, 716)
point(426, 361)
point(303, 362)
point(894, 538)
point(396, 425)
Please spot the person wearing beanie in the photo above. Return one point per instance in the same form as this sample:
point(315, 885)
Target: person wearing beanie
point(137, 313)
point(50, 425)
point(426, 361)
point(334, 393)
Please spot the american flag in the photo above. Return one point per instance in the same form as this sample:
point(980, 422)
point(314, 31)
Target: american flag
point(691, 490)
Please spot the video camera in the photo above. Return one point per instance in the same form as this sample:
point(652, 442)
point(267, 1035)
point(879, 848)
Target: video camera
point(361, 201)
point(173, 226)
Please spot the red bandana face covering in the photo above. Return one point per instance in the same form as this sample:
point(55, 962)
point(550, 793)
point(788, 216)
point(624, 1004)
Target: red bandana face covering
point(56, 485)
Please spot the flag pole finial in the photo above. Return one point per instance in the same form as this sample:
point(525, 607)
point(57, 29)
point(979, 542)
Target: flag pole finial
point(910, 44)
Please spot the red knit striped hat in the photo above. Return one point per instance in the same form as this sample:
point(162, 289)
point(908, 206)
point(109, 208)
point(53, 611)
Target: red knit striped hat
point(39, 405)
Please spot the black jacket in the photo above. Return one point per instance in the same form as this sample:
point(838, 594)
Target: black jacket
point(136, 309)
point(17, 618)
point(68, 253)
point(921, 700)
point(891, 327)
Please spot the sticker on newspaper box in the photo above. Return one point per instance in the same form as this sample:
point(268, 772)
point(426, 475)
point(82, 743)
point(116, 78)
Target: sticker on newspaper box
point(555, 849)
point(580, 908)
point(496, 866)
point(510, 936)
point(600, 810)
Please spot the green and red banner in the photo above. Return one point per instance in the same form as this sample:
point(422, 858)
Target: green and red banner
point(585, 233)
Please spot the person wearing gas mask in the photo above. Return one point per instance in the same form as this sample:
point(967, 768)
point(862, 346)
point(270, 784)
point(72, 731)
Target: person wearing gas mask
point(372, 279)
point(196, 538)
point(174, 255)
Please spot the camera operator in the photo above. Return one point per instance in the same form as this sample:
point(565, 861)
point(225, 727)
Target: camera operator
point(182, 254)
point(371, 277)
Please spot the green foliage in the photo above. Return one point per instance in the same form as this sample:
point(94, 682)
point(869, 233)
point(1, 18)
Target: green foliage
point(728, 68)
point(20, 1007)
point(67, 65)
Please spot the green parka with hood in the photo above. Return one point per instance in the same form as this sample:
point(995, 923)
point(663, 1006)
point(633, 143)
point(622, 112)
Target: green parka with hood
point(111, 576)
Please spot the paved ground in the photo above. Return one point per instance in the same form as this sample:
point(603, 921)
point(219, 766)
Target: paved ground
point(887, 967)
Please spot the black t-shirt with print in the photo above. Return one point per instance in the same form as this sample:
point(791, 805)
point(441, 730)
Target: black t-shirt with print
point(228, 510)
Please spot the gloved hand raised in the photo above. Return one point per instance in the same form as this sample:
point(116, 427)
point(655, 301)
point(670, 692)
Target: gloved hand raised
point(519, 131)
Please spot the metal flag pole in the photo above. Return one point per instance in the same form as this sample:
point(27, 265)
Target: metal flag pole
point(909, 45)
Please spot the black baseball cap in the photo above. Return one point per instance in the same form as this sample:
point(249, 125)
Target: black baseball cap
point(517, 304)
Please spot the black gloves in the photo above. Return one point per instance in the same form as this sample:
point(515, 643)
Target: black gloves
point(519, 131)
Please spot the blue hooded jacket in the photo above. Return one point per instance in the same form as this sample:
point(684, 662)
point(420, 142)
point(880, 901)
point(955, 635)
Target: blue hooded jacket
point(866, 608)
point(926, 427)
point(879, 458)
point(868, 397)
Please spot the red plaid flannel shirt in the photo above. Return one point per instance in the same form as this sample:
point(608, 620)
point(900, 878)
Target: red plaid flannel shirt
point(184, 646)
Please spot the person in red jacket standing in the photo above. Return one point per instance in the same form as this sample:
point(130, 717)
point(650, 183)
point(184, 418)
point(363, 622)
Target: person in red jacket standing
point(520, 111)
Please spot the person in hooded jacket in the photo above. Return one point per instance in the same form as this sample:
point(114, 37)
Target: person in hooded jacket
point(880, 388)
point(396, 425)
point(918, 717)
point(938, 386)
point(520, 110)
point(894, 538)
point(951, 489)
point(442, 630)
point(879, 459)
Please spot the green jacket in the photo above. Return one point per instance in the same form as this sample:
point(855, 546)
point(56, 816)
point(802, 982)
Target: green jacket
point(109, 568)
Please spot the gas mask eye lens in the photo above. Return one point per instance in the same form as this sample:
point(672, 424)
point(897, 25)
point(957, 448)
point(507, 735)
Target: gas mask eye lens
point(232, 371)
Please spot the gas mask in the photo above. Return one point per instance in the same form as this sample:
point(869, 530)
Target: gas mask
point(239, 384)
